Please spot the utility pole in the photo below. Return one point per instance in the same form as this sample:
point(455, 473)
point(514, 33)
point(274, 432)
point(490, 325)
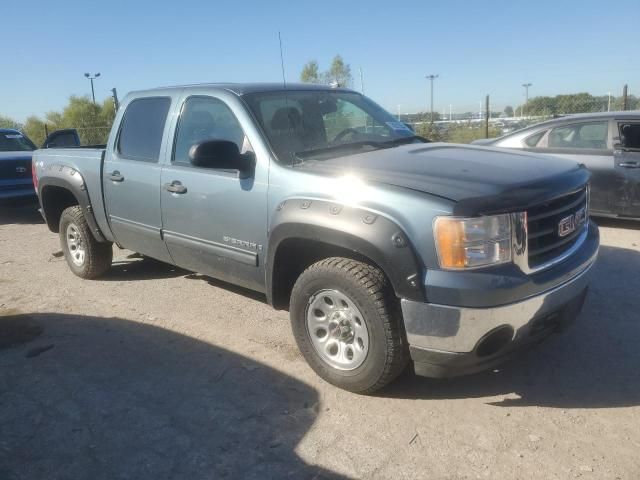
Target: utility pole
point(399, 105)
point(486, 120)
point(449, 112)
point(526, 96)
point(116, 103)
point(91, 79)
point(431, 78)
point(609, 102)
point(361, 82)
point(625, 99)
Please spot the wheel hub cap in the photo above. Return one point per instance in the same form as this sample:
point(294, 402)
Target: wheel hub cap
point(337, 330)
point(75, 245)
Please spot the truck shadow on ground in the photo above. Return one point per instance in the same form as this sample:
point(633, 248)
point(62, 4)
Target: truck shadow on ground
point(137, 267)
point(103, 398)
point(618, 223)
point(19, 212)
point(595, 363)
point(230, 287)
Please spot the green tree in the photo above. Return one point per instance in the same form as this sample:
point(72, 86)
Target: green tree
point(34, 129)
point(310, 72)
point(339, 72)
point(508, 111)
point(6, 122)
point(93, 121)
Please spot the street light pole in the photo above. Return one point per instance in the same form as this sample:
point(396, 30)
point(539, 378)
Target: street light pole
point(526, 96)
point(431, 78)
point(91, 78)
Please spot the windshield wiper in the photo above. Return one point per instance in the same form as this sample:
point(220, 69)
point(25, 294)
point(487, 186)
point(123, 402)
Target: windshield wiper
point(403, 140)
point(341, 146)
point(301, 155)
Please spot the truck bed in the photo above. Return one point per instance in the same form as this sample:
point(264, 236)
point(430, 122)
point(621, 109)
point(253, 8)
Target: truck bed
point(85, 161)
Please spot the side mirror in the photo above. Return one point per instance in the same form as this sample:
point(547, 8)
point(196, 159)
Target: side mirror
point(67, 137)
point(221, 154)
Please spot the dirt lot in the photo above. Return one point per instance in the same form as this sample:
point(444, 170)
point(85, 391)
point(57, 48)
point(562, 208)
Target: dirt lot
point(154, 373)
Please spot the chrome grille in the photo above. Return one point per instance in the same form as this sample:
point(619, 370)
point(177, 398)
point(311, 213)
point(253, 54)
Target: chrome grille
point(549, 232)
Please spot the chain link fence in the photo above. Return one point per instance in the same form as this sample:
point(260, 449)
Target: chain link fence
point(495, 117)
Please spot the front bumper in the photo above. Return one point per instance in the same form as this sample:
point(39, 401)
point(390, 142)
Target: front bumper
point(447, 340)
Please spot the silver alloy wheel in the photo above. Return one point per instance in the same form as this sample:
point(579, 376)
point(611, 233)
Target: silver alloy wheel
point(337, 330)
point(75, 245)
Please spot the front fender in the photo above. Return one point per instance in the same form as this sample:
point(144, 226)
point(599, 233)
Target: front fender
point(365, 233)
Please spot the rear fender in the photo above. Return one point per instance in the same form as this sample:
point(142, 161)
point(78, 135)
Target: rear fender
point(68, 178)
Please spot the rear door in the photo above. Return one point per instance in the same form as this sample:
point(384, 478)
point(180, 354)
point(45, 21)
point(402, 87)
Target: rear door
point(131, 177)
point(588, 142)
point(627, 156)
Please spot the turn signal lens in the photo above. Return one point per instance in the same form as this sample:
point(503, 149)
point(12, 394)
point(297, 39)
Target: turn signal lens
point(472, 242)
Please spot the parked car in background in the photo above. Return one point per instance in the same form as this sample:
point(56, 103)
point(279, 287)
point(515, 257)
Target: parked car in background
point(607, 143)
point(16, 150)
point(15, 165)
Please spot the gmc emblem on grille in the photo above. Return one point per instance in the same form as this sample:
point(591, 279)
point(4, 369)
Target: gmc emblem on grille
point(21, 169)
point(571, 223)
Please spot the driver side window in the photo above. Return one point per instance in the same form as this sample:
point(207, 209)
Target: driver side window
point(350, 117)
point(205, 118)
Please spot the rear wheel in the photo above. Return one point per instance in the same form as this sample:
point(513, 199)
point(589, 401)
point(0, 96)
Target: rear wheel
point(347, 324)
point(86, 257)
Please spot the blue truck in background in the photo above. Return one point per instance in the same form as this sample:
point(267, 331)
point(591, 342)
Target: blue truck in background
point(15, 165)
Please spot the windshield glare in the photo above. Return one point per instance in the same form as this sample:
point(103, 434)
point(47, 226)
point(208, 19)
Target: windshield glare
point(301, 122)
point(15, 142)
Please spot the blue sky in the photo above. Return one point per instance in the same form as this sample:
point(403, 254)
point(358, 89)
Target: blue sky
point(477, 48)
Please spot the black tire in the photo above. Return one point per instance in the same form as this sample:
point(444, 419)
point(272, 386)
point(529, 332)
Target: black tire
point(368, 288)
point(97, 255)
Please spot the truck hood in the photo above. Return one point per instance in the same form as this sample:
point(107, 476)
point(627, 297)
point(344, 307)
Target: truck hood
point(480, 180)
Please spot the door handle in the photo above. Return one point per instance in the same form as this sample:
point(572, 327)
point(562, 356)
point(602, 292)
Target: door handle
point(629, 164)
point(116, 177)
point(175, 187)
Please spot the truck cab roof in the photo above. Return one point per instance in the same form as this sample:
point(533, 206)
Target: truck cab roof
point(245, 88)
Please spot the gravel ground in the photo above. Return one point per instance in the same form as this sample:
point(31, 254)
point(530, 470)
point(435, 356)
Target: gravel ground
point(153, 372)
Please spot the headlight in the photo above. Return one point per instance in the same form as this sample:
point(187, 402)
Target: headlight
point(472, 242)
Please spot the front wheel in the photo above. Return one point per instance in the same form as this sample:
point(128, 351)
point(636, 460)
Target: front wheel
point(86, 257)
point(347, 324)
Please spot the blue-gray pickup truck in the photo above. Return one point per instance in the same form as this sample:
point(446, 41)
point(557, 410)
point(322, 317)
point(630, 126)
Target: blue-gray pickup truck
point(386, 249)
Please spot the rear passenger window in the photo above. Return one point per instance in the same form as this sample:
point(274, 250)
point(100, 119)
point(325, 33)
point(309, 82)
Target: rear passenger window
point(592, 135)
point(142, 126)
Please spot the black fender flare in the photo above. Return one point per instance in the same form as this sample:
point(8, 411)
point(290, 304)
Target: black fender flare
point(368, 234)
point(72, 181)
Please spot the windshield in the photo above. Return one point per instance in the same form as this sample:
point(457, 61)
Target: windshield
point(301, 124)
point(15, 142)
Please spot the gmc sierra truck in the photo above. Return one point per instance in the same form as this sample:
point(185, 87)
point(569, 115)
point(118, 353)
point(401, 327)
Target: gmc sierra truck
point(386, 249)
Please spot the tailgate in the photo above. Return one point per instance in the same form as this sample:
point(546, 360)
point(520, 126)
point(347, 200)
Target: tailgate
point(17, 168)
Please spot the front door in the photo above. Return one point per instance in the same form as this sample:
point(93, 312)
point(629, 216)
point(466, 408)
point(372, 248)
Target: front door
point(131, 178)
point(627, 157)
point(214, 221)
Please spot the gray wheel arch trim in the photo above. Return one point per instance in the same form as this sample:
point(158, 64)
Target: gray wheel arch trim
point(365, 233)
point(72, 181)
